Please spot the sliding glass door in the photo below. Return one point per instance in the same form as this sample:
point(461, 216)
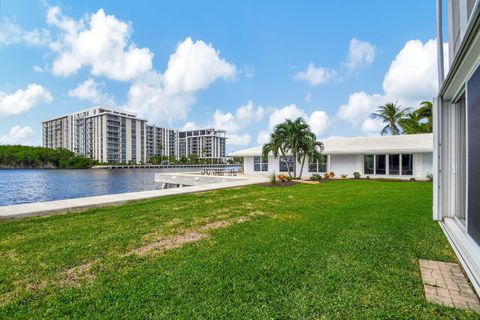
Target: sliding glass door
point(473, 156)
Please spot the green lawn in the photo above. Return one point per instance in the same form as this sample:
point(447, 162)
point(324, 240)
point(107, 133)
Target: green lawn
point(337, 250)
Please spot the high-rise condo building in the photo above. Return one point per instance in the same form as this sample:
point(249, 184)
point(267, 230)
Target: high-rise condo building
point(119, 137)
point(106, 135)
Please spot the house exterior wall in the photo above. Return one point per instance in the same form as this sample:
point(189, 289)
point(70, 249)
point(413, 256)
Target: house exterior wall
point(456, 119)
point(345, 164)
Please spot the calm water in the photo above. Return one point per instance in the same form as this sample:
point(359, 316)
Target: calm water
point(25, 186)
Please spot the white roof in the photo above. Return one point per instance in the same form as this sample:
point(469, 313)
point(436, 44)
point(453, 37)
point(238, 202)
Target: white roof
point(411, 143)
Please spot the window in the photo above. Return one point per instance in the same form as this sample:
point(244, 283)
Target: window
point(317, 167)
point(394, 164)
point(407, 164)
point(260, 164)
point(283, 164)
point(380, 164)
point(368, 164)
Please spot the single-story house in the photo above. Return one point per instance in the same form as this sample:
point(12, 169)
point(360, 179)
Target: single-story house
point(396, 157)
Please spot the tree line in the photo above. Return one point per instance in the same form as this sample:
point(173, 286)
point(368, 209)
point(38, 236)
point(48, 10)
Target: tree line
point(16, 156)
point(399, 120)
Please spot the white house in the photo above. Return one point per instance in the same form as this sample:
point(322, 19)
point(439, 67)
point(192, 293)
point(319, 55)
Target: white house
point(456, 191)
point(396, 157)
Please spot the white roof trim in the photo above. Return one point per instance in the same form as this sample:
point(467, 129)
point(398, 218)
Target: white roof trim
point(412, 143)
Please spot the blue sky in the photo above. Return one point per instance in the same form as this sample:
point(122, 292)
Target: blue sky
point(240, 66)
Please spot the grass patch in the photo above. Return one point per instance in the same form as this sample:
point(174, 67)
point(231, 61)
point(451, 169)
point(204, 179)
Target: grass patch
point(340, 250)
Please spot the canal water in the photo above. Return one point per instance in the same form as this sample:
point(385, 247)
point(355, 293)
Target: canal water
point(27, 186)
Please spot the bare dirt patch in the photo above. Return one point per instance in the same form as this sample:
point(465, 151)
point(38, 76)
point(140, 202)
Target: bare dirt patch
point(163, 243)
point(82, 273)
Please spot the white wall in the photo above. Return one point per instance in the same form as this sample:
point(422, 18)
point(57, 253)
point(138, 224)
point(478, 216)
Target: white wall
point(346, 164)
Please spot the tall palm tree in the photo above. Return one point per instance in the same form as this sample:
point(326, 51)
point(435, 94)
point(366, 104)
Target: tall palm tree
point(410, 123)
point(294, 137)
point(312, 149)
point(426, 112)
point(390, 114)
point(278, 146)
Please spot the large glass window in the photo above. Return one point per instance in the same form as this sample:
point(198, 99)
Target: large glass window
point(317, 166)
point(407, 164)
point(380, 164)
point(283, 164)
point(394, 164)
point(260, 164)
point(368, 164)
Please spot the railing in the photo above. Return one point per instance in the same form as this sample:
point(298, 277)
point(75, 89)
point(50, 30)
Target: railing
point(163, 166)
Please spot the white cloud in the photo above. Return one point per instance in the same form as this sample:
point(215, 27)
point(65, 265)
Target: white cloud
point(99, 41)
point(290, 111)
point(18, 135)
point(263, 137)
point(12, 33)
point(236, 124)
point(372, 126)
point(194, 66)
point(91, 91)
point(315, 76)
point(360, 105)
point(410, 79)
point(412, 76)
point(37, 69)
point(318, 120)
point(235, 139)
point(189, 126)
point(359, 54)
point(23, 99)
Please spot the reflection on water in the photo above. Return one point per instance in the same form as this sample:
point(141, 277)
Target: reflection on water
point(26, 186)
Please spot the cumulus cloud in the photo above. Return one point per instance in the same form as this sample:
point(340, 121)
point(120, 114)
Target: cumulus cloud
point(360, 53)
point(318, 120)
point(315, 75)
point(18, 135)
point(359, 106)
point(100, 42)
point(189, 126)
point(412, 76)
point(410, 79)
point(91, 90)
point(166, 97)
point(23, 100)
point(236, 123)
point(12, 33)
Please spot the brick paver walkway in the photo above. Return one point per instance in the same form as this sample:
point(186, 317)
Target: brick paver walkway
point(445, 284)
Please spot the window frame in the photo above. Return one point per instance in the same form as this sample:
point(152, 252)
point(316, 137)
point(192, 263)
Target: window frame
point(261, 165)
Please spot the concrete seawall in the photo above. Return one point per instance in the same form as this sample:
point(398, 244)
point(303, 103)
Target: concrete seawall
point(78, 204)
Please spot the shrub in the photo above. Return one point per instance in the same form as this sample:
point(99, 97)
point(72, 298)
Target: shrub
point(368, 177)
point(429, 177)
point(413, 179)
point(316, 177)
point(326, 175)
point(344, 176)
point(332, 174)
point(356, 175)
point(283, 178)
